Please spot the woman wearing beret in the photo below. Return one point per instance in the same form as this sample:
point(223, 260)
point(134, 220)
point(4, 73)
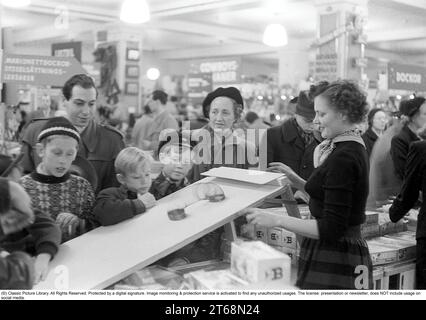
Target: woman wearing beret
point(333, 254)
point(414, 115)
point(224, 147)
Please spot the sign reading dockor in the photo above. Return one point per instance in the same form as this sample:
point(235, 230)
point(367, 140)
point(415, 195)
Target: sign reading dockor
point(38, 70)
point(406, 77)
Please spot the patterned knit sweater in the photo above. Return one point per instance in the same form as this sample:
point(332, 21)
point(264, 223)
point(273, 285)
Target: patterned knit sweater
point(53, 195)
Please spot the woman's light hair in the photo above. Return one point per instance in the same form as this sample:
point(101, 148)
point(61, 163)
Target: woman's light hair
point(130, 159)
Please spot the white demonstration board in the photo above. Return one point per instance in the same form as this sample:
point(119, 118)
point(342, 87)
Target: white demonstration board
point(106, 255)
point(250, 176)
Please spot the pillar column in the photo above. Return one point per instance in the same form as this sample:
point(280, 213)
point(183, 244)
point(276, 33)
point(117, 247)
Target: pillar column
point(128, 48)
point(340, 41)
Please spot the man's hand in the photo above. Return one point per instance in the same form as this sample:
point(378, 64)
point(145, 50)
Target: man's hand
point(20, 200)
point(148, 200)
point(41, 266)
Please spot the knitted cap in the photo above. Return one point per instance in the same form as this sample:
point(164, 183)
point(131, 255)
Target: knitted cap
point(305, 106)
point(230, 92)
point(58, 126)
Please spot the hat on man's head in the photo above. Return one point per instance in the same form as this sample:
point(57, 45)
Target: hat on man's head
point(58, 126)
point(7, 163)
point(305, 106)
point(410, 107)
point(230, 92)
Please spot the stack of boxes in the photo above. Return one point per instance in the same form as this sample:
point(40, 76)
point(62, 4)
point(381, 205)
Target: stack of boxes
point(254, 265)
point(389, 244)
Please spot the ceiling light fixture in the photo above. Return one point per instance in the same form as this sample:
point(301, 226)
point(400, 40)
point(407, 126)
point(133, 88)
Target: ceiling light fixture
point(275, 35)
point(16, 3)
point(153, 74)
point(135, 11)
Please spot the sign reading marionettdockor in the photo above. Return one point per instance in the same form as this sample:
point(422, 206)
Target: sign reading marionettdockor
point(38, 70)
point(406, 77)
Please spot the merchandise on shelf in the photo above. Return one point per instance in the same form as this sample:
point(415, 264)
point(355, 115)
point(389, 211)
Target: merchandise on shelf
point(255, 261)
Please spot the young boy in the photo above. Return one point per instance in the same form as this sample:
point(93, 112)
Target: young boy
point(133, 169)
point(66, 198)
point(176, 156)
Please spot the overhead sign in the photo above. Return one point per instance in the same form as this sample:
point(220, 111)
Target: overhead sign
point(224, 71)
point(199, 86)
point(38, 70)
point(67, 49)
point(406, 77)
point(326, 67)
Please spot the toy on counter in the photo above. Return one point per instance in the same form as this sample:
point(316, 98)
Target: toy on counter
point(201, 191)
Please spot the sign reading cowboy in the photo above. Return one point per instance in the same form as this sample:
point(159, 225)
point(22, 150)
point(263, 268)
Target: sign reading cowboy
point(406, 77)
point(38, 70)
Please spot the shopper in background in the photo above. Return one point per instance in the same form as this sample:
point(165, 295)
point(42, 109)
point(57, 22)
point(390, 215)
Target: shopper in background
point(414, 117)
point(44, 110)
point(41, 238)
point(225, 147)
point(162, 120)
point(17, 268)
point(293, 142)
point(414, 182)
point(142, 125)
point(113, 205)
point(377, 120)
point(66, 198)
point(99, 144)
point(332, 248)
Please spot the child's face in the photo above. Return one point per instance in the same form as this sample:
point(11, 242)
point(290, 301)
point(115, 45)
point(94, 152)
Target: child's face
point(139, 181)
point(58, 154)
point(177, 162)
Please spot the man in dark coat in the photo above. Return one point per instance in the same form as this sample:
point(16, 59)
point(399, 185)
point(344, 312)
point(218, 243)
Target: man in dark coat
point(293, 142)
point(99, 144)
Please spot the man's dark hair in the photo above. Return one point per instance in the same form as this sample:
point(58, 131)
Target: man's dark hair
point(159, 95)
point(81, 80)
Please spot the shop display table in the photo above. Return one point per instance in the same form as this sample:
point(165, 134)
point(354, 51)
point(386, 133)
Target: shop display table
point(106, 255)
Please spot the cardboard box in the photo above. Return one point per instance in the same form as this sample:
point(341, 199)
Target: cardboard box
point(292, 253)
point(371, 217)
point(370, 230)
point(386, 250)
point(275, 236)
point(213, 280)
point(255, 261)
point(261, 233)
point(381, 254)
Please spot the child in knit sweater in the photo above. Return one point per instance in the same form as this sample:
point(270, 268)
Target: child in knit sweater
point(66, 198)
point(113, 205)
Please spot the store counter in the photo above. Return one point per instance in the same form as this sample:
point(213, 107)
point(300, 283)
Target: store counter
point(106, 255)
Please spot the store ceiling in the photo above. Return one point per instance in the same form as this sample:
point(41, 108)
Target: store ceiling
point(182, 29)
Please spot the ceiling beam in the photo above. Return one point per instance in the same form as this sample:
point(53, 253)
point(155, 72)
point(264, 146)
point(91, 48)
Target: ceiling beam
point(231, 50)
point(216, 31)
point(419, 4)
point(394, 35)
point(49, 32)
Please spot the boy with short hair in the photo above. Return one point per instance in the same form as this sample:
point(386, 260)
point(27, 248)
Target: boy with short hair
point(66, 198)
point(176, 155)
point(133, 169)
